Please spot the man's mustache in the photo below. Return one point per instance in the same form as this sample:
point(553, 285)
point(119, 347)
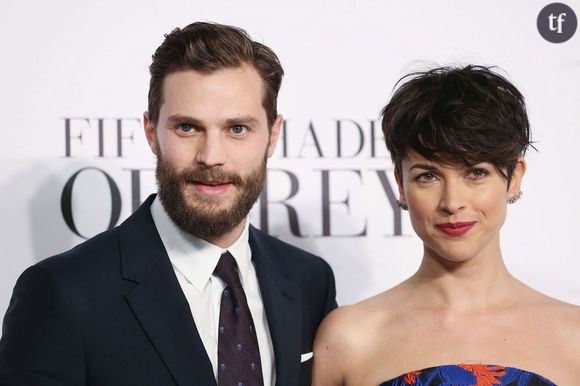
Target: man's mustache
point(210, 175)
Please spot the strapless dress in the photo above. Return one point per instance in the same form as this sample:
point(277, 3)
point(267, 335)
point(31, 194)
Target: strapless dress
point(469, 375)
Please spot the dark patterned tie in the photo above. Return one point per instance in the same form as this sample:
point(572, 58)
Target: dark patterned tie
point(238, 354)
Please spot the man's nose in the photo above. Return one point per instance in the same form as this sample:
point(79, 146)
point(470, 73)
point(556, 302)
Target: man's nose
point(212, 149)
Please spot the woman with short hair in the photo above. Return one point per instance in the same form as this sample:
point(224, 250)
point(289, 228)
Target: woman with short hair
point(457, 138)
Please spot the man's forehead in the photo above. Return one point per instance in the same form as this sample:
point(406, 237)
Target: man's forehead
point(243, 71)
point(243, 78)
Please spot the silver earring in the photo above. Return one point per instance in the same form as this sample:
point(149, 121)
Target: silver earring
point(515, 197)
point(402, 205)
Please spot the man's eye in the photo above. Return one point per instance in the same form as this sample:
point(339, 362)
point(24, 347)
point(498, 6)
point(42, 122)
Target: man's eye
point(186, 127)
point(238, 129)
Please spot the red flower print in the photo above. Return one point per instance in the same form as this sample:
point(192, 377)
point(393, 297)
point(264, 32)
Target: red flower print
point(411, 377)
point(485, 375)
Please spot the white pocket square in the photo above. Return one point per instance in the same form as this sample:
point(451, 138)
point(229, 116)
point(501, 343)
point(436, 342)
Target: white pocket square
point(305, 357)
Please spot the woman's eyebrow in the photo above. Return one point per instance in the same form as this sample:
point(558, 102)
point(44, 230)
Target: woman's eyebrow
point(424, 166)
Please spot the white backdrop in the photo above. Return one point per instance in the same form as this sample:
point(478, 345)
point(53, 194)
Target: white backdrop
point(85, 65)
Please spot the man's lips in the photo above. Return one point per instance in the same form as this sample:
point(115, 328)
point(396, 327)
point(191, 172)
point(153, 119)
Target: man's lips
point(211, 182)
point(456, 229)
point(211, 188)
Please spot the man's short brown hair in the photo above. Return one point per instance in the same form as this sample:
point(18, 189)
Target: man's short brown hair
point(208, 47)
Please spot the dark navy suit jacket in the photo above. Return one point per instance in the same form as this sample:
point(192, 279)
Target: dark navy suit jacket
point(111, 312)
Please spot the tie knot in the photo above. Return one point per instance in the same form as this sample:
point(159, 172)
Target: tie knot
point(227, 270)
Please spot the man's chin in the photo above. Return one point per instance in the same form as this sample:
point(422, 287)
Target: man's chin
point(203, 203)
point(209, 212)
point(207, 221)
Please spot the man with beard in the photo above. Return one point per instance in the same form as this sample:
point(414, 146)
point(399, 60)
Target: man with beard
point(185, 291)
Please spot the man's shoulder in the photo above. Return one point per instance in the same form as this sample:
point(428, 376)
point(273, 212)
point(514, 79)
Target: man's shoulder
point(86, 256)
point(279, 249)
point(307, 271)
point(299, 266)
point(105, 248)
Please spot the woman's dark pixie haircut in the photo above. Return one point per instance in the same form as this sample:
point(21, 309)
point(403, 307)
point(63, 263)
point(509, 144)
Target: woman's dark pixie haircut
point(457, 115)
point(208, 47)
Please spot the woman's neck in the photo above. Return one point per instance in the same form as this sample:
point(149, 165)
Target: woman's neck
point(471, 285)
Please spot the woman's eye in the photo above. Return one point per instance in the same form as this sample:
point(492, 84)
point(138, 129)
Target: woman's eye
point(477, 173)
point(238, 129)
point(426, 177)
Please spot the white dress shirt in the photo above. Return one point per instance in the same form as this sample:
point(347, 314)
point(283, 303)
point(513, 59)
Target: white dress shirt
point(194, 261)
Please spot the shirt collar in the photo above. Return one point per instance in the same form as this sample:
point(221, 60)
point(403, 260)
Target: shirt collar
point(193, 257)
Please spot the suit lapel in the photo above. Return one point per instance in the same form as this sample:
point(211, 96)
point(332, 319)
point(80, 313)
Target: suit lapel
point(283, 306)
point(159, 303)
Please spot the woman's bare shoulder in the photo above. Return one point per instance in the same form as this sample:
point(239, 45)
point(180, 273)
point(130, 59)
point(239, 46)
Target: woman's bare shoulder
point(350, 327)
point(335, 346)
point(340, 328)
point(560, 320)
point(567, 317)
point(345, 338)
point(566, 312)
point(563, 330)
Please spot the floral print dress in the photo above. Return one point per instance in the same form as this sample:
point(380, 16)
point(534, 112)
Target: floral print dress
point(469, 375)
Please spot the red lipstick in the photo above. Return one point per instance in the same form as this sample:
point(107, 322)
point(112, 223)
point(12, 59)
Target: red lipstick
point(456, 229)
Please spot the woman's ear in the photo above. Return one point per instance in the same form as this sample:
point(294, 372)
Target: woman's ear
point(399, 179)
point(515, 186)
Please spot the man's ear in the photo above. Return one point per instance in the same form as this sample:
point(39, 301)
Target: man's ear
point(274, 134)
point(150, 133)
point(517, 176)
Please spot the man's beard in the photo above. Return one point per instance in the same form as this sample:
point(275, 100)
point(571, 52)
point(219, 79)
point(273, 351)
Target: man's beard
point(202, 216)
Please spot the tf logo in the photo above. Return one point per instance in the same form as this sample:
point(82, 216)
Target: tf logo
point(557, 22)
